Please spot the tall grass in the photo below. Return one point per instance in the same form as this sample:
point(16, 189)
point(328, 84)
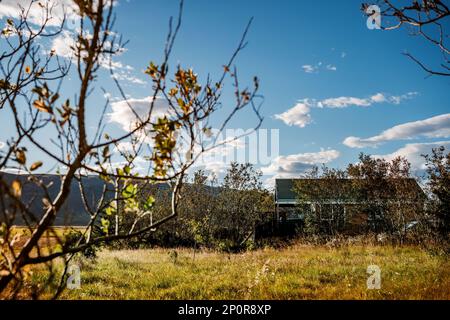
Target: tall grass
point(295, 272)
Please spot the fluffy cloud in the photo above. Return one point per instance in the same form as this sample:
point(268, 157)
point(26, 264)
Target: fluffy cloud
point(299, 115)
point(414, 151)
point(215, 168)
point(125, 112)
point(435, 127)
point(36, 14)
point(63, 45)
point(293, 165)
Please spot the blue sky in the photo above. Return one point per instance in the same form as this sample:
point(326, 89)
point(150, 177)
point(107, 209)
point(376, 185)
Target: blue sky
point(378, 87)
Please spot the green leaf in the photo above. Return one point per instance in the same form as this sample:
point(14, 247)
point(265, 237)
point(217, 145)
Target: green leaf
point(149, 203)
point(110, 210)
point(105, 225)
point(129, 191)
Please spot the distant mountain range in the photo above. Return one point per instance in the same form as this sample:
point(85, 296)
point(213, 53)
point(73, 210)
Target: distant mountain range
point(73, 211)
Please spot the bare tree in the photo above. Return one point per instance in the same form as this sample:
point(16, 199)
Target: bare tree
point(427, 19)
point(30, 92)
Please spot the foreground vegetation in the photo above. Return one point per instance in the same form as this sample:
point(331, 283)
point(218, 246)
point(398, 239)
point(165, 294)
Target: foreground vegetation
point(295, 272)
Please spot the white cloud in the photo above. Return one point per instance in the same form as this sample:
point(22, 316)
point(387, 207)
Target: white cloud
point(435, 127)
point(36, 14)
point(139, 165)
point(398, 99)
point(214, 160)
point(124, 111)
point(58, 10)
point(63, 45)
point(344, 102)
point(127, 76)
point(218, 159)
point(14, 171)
point(314, 68)
point(309, 68)
point(413, 153)
point(293, 165)
point(124, 147)
point(215, 167)
point(297, 115)
point(378, 98)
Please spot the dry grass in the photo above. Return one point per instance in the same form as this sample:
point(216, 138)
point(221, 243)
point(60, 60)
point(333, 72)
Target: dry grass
point(51, 238)
point(296, 272)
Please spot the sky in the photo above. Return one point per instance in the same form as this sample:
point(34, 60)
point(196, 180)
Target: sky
point(332, 87)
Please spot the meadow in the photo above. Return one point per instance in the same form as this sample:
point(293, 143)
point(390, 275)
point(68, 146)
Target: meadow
point(295, 272)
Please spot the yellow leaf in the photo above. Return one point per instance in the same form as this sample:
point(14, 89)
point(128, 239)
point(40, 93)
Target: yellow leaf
point(40, 105)
point(16, 188)
point(4, 273)
point(27, 69)
point(36, 165)
point(21, 157)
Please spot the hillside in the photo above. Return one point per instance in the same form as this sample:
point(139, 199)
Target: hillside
point(73, 211)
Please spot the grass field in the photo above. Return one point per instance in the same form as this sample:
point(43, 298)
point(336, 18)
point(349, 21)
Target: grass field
point(50, 239)
point(296, 272)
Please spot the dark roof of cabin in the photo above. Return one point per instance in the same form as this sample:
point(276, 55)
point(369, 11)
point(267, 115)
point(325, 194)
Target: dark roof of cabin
point(284, 189)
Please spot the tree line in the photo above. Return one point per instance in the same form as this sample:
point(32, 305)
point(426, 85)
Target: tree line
point(377, 196)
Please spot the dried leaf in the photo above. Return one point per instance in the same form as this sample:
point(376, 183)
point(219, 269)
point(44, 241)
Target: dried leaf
point(40, 105)
point(36, 165)
point(21, 157)
point(47, 203)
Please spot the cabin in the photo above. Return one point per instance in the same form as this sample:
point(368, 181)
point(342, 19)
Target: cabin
point(344, 203)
